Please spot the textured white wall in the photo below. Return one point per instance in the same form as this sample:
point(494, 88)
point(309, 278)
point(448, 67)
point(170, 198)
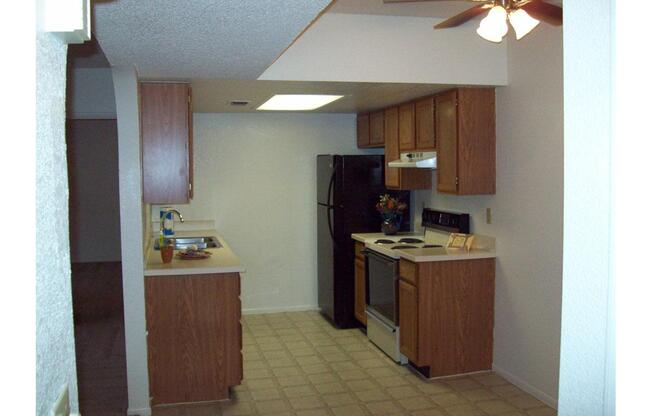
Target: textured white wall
point(131, 234)
point(364, 48)
point(255, 175)
point(55, 343)
point(94, 202)
point(527, 213)
point(90, 93)
point(588, 257)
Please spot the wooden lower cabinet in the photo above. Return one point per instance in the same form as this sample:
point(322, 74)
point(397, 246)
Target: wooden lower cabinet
point(409, 317)
point(446, 316)
point(194, 337)
point(360, 306)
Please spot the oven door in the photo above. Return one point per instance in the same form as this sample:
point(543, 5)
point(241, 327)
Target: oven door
point(382, 277)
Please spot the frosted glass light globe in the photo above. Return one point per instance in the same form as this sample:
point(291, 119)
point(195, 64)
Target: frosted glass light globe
point(494, 27)
point(522, 22)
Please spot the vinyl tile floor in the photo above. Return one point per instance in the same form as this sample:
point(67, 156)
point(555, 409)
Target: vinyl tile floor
point(298, 364)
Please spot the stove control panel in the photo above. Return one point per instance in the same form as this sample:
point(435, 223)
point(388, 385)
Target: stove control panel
point(447, 221)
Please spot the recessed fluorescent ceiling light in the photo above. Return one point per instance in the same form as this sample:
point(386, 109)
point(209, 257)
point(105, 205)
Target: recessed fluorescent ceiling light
point(298, 102)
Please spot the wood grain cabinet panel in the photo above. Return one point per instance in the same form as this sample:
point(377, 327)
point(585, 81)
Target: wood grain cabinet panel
point(194, 338)
point(408, 320)
point(166, 131)
point(425, 124)
point(400, 178)
point(446, 318)
point(377, 129)
point(446, 123)
point(392, 175)
point(406, 136)
point(362, 123)
point(465, 126)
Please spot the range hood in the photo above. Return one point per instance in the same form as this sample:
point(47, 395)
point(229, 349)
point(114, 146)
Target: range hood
point(424, 160)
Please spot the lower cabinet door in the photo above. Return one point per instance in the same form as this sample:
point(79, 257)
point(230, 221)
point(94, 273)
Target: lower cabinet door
point(193, 339)
point(408, 320)
point(360, 292)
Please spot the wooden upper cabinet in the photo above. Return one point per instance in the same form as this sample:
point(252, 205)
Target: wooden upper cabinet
point(392, 175)
point(465, 126)
point(377, 129)
point(400, 178)
point(446, 123)
point(406, 139)
point(425, 124)
point(166, 131)
point(363, 130)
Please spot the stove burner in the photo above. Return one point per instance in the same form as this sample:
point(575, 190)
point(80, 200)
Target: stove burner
point(410, 240)
point(432, 246)
point(384, 241)
point(402, 246)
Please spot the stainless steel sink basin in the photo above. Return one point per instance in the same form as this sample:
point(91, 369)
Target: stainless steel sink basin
point(181, 243)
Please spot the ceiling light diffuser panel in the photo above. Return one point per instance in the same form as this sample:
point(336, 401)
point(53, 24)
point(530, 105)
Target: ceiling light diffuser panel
point(298, 102)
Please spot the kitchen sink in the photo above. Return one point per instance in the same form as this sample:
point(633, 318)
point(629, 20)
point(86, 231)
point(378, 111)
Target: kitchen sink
point(181, 243)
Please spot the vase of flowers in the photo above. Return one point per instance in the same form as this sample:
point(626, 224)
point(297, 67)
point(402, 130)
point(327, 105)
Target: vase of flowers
point(391, 211)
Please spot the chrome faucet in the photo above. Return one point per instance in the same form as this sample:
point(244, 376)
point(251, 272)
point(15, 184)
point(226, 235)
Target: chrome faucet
point(165, 213)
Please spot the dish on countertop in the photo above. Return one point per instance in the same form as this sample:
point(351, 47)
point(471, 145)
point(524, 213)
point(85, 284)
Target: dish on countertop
point(193, 254)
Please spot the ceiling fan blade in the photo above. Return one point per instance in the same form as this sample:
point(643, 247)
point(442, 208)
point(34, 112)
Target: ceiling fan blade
point(463, 17)
point(547, 12)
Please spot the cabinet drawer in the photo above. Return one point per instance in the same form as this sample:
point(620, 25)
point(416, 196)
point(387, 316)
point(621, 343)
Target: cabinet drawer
point(408, 271)
point(358, 250)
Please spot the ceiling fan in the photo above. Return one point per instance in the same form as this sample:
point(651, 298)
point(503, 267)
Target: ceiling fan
point(523, 15)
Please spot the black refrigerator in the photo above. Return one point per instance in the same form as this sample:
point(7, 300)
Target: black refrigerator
point(348, 188)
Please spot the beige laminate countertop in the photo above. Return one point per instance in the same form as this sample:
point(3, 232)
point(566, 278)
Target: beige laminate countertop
point(223, 260)
point(486, 250)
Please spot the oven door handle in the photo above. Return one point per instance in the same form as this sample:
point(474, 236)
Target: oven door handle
point(380, 257)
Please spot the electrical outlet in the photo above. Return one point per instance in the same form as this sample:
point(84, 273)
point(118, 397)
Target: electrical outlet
point(62, 405)
point(489, 216)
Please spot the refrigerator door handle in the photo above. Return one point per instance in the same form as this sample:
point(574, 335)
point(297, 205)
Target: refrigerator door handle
point(330, 189)
point(330, 225)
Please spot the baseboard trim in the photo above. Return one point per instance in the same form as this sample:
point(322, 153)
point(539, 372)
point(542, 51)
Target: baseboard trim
point(525, 386)
point(145, 411)
point(302, 308)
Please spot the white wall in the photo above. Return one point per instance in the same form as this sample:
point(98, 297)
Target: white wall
point(94, 202)
point(586, 373)
point(90, 93)
point(255, 175)
point(131, 233)
point(365, 48)
point(527, 213)
point(55, 344)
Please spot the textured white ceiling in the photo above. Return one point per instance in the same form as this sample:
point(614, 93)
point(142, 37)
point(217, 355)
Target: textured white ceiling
point(213, 96)
point(222, 39)
point(417, 9)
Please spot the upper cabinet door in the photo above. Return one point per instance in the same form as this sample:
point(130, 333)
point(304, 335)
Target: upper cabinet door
point(425, 124)
point(376, 129)
point(406, 127)
point(363, 130)
point(165, 130)
point(446, 132)
point(392, 175)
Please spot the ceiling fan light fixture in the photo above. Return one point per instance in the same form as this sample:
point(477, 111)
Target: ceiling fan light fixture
point(494, 27)
point(522, 22)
